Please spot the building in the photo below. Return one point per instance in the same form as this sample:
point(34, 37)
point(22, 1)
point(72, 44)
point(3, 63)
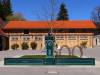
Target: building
point(96, 41)
point(70, 33)
point(3, 37)
point(2, 23)
point(3, 41)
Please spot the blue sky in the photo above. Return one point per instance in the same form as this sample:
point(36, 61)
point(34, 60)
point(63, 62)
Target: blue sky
point(40, 9)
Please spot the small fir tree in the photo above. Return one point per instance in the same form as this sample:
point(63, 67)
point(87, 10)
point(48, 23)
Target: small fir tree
point(15, 46)
point(63, 13)
point(33, 45)
point(25, 46)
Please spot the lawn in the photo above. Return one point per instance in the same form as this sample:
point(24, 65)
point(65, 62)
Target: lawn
point(44, 56)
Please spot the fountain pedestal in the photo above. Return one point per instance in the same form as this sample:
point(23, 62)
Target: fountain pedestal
point(49, 43)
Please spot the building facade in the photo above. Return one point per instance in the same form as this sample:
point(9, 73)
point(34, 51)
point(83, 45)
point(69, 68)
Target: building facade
point(70, 33)
point(96, 41)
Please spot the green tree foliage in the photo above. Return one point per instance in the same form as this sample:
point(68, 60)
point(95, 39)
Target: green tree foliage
point(5, 9)
point(83, 44)
point(25, 46)
point(63, 13)
point(15, 46)
point(15, 17)
point(33, 45)
point(95, 17)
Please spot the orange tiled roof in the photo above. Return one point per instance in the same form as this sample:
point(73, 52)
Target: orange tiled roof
point(45, 24)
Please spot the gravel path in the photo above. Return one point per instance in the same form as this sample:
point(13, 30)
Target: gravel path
point(49, 70)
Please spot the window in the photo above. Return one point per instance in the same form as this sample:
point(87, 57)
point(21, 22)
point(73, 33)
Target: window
point(59, 37)
point(14, 38)
point(71, 37)
point(83, 37)
point(38, 38)
point(26, 38)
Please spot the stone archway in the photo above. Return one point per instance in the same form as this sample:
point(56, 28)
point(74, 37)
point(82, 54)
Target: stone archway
point(65, 46)
point(81, 51)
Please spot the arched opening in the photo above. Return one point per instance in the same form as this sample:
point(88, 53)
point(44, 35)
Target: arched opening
point(80, 49)
point(65, 47)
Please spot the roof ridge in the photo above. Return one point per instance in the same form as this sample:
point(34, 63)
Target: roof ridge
point(49, 21)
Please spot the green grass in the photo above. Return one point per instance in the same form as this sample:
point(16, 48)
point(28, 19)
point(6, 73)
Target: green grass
point(44, 56)
point(65, 56)
point(34, 56)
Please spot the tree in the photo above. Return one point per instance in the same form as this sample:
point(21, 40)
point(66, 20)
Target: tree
point(15, 46)
point(5, 9)
point(95, 17)
point(63, 13)
point(25, 46)
point(15, 17)
point(33, 45)
point(83, 44)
